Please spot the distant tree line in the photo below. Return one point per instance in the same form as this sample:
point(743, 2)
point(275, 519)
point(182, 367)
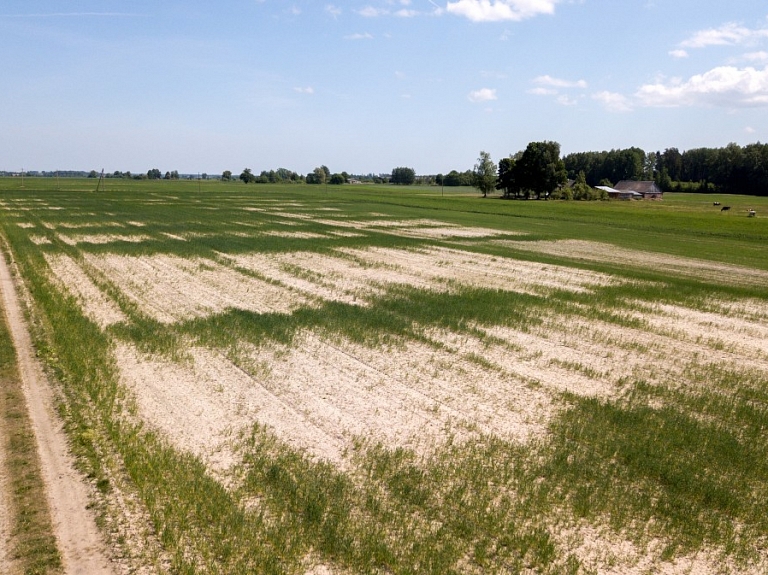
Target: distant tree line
point(729, 170)
point(539, 172)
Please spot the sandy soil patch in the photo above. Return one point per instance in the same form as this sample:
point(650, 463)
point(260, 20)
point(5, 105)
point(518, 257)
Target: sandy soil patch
point(81, 225)
point(96, 305)
point(328, 277)
point(173, 237)
point(448, 233)
point(442, 265)
point(26, 225)
point(296, 235)
point(170, 288)
point(343, 234)
point(359, 274)
point(40, 240)
point(602, 551)
point(103, 239)
point(319, 396)
point(745, 338)
point(688, 267)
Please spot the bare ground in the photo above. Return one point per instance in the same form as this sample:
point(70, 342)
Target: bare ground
point(77, 536)
point(322, 394)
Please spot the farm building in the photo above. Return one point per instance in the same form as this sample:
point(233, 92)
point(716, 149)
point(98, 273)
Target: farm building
point(615, 194)
point(648, 190)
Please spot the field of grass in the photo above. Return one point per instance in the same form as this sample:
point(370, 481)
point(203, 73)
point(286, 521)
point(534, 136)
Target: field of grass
point(369, 379)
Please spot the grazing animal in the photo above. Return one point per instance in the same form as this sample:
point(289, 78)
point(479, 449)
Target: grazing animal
point(725, 208)
point(751, 213)
point(716, 203)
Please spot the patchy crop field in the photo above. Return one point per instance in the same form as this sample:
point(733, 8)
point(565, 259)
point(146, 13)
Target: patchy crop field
point(293, 380)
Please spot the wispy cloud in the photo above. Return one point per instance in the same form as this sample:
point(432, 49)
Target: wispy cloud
point(613, 101)
point(482, 95)
point(761, 56)
point(548, 80)
point(359, 36)
point(550, 86)
point(542, 91)
point(333, 10)
point(306, 90)
point(500, 10)
point(679, 53)
point(726, 35)
point(371, 12)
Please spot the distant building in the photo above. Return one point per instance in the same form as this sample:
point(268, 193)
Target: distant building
point(647, 190)
point(615, 194)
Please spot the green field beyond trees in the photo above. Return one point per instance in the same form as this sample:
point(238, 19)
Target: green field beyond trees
point(669, 458)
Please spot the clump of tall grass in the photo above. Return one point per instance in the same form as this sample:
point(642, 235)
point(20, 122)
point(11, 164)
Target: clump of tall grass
point(677, 477)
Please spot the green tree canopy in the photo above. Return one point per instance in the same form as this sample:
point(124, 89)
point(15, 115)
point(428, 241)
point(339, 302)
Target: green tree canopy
point(484, 174)
point(403, 176)
point(247, 176)
point(506, 181)
point(540, 169)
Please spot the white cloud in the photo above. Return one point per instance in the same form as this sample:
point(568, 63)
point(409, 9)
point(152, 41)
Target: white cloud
point(761, 56)
point(333, 10)
point(750, 130)
point(499, 10)
point(679, 53)
point(404, 13)
point(371, 12)
point(365, 36)
point(566, 100)
point(558, 82)
point(726, 35)
point(613, 101)
point(725, 86)
point(541, 91)
point(307, 90)
point(482, 95)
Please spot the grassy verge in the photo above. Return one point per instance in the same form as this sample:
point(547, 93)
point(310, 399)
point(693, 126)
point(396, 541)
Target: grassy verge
point(32, 543)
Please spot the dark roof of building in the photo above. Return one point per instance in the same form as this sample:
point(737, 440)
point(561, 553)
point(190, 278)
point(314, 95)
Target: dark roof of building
point(647, 187)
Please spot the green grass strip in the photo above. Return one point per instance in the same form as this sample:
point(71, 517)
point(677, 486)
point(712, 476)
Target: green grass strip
point(32, 543)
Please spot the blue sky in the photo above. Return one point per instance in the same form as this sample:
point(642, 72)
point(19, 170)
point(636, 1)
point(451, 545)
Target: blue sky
point(366, 86)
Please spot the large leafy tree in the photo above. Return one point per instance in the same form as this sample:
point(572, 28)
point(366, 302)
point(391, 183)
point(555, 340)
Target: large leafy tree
point(403, 176)
point(540, 170)
point(484, 174)
point(247, 176)
point(506, 180)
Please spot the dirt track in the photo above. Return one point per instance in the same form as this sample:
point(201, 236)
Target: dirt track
point(77, 536)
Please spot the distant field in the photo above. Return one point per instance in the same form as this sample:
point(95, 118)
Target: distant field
point(375, 379)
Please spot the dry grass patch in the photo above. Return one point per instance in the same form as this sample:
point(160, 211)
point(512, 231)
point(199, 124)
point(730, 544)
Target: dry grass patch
point(295, 235)
point(97, 239)
point(321, 397)
point(71, 278)
point(445, 265)
point(680, 266)
point(170, 288)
